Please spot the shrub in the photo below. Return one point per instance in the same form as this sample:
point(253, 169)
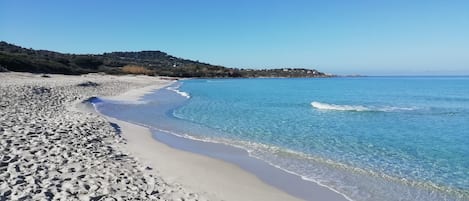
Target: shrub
point(134, 69)
point(88, 62)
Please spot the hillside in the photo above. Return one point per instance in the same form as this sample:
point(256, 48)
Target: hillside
point(15, 58)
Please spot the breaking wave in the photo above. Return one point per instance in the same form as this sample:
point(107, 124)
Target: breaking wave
point(182, 93)
point(357, 108)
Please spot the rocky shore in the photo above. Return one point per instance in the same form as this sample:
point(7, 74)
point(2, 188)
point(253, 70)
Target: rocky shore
point(50, 151)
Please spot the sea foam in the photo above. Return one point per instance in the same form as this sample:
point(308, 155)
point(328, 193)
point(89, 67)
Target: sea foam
point(182, 93)
point(325, 106)
point(358, 108)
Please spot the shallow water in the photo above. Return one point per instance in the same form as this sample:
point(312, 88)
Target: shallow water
point(374, 138)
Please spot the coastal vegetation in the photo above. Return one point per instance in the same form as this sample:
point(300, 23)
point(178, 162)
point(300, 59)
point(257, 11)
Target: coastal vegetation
point(134, 69)
point(16, 58)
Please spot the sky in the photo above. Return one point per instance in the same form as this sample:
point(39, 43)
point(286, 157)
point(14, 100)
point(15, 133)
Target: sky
point(373, 37)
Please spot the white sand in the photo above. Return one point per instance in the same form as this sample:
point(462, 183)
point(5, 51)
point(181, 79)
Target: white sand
point(51, 151)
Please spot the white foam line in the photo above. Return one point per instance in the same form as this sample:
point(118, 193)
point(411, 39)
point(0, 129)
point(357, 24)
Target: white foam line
point(325, 106)
point(182, 93)
point(358, 108)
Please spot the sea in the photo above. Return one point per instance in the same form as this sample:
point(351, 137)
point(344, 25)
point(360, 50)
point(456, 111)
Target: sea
point(367, 138)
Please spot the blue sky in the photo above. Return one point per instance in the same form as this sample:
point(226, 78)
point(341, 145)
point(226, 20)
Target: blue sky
point(374, 37)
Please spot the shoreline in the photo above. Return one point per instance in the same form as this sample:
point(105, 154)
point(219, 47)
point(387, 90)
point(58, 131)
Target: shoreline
point(255, 173)
point(215, 178)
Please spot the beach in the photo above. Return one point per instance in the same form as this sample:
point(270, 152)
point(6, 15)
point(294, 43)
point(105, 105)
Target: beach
point(55, 147)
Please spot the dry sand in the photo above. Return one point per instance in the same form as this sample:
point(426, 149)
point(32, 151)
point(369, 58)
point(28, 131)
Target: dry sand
point(50, 151)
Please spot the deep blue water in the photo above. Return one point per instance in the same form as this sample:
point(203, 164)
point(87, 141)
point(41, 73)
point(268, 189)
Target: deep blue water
point(371, 138)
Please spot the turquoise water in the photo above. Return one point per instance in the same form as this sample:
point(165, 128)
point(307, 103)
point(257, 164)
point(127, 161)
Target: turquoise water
point(372, 138)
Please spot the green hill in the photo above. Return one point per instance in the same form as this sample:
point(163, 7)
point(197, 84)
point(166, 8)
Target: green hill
point(15, 58)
